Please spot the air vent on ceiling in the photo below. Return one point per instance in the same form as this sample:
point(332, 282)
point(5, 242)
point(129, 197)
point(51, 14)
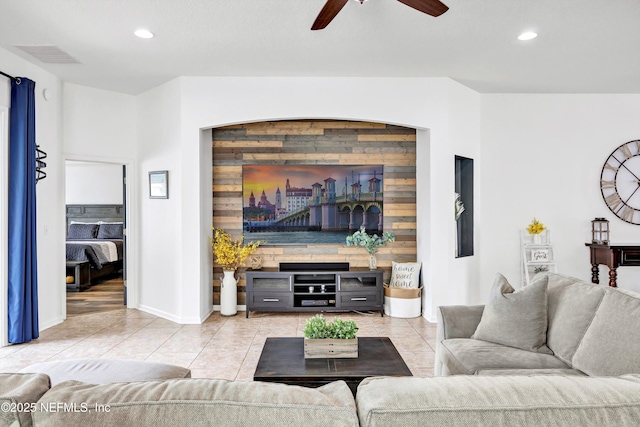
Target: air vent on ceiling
point(47, 53)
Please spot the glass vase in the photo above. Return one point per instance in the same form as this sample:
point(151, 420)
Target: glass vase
point(373, 262)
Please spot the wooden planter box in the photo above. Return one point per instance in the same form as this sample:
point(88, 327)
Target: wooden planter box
point(330, 348)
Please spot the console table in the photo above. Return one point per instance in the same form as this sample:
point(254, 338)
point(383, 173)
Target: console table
point(613, 256)
point(314, 288)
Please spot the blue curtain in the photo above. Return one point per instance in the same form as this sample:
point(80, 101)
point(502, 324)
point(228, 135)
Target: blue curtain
point(23, 272)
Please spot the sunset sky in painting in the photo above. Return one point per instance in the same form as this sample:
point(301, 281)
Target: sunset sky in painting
point(269, 177)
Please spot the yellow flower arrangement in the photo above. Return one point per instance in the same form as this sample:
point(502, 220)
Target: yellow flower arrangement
point(231, 254)
point(536, 227)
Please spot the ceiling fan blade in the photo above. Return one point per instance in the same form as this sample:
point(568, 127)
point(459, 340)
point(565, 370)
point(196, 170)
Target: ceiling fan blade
point(328, 12)
point(430, 7)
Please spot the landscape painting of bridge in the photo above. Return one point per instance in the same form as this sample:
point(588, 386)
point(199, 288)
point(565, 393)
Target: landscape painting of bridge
point(303, 204)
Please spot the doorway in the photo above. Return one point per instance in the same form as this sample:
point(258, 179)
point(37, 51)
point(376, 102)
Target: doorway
point(95, 199)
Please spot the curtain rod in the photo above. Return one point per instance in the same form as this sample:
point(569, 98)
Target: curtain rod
point(15, 79)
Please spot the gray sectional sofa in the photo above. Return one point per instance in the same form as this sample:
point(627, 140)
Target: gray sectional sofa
point(462, 400)
point(590, 330)
point(582, 368)
point(179, 402)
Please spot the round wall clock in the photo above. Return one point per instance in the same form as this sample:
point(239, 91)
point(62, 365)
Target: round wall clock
point(620, 182)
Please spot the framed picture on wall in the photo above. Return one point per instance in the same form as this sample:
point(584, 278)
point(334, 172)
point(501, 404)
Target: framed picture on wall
point(159, 185)
point(310, 204)
point(540, 255)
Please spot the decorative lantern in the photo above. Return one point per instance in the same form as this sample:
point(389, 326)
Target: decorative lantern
point(600, 231)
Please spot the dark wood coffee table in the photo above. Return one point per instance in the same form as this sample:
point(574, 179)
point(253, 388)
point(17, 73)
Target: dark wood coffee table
point(282, 361)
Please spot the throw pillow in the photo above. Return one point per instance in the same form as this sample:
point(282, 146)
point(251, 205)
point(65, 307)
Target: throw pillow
point(500, 287)
point(517, 319)
point(110, 230)
point(405, 275)
point(82, 231)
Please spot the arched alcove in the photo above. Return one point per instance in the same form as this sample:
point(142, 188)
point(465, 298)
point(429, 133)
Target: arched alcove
point(312, 142)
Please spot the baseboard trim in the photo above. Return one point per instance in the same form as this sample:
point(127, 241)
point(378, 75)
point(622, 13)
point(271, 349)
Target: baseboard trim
point(171, 317)
point(51, 323)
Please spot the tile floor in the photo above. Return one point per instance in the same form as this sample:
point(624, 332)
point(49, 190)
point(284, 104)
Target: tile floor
point(221, 347)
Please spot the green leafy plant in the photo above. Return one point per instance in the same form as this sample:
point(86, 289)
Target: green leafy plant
point(344, 329)
point(370, 242)
point(317, 327)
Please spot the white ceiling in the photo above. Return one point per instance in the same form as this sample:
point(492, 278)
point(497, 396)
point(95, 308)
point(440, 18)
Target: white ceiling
point(584, 46)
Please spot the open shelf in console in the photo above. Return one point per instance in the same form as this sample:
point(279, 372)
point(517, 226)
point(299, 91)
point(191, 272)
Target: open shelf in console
point(314, 289)
point(317, 289)
point(314, 279)
point(314, 300)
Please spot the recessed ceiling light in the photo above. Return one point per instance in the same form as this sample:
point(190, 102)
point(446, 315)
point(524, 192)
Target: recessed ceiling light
point(144, 34)
point(527, 35)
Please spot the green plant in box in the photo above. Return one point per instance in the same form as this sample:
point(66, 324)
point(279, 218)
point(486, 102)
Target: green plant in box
point(317, 327)
point(344, 329)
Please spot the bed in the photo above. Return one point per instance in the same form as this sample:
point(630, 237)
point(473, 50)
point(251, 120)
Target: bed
point(95, 244)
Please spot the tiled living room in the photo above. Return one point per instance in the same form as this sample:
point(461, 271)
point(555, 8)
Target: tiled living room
point(221, 347)
point(541, 98)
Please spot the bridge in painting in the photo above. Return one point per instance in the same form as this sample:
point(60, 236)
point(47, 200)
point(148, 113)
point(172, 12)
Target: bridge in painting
point(327, 213)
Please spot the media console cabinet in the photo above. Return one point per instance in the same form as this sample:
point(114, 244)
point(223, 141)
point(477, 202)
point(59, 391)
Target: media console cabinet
point(314, 287)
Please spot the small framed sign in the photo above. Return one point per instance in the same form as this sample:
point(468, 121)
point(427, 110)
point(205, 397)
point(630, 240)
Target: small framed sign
point(540, 255)
point(159, 185)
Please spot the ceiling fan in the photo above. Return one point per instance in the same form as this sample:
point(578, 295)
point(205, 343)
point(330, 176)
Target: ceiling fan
point(333, 7)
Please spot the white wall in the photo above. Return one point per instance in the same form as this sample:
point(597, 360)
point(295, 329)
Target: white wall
point(175, 264)
point(161, 258)
point(49, 192)
point(101, 127)
point(99, 123)
point(93, 183)
point(464, 128)
point(541, 157)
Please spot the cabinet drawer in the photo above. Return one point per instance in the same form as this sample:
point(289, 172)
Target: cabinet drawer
point(271, 300)
point(630, 257)
point(354, 299)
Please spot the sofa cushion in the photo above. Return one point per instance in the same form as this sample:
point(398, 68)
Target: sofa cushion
point(201, 402)
point(611, 345)
point(517, 319)
point(498, 401)
point(104, 371)
point(487, 372)
point(572, 304)
point(18, 392)
point(467, 356)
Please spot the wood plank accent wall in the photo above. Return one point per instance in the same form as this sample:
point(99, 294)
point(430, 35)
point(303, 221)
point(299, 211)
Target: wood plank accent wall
point(317, 142)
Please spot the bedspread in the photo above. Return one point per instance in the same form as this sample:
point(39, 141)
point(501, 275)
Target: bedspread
point(97, 252)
